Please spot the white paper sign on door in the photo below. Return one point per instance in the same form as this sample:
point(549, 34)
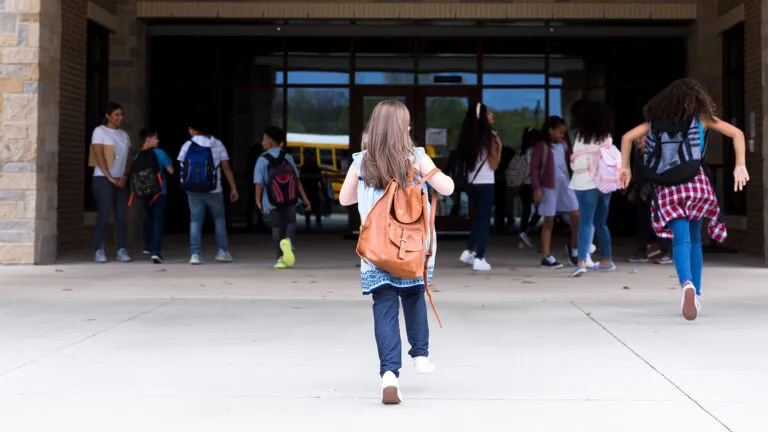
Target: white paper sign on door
point(437, 137)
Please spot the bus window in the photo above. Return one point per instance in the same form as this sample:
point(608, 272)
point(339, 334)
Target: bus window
point(326, 157)
point(308, 153)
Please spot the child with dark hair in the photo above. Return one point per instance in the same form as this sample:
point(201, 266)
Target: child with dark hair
point(682, 195)
point(550, 179)
point(518, 177)
point(154, 211)
point(273, 168)
point(593, 127)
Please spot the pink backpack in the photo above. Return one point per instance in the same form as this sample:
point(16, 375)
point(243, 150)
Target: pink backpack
point(608, 166)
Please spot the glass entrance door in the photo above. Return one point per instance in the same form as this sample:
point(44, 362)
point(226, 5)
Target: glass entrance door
point(438, 126)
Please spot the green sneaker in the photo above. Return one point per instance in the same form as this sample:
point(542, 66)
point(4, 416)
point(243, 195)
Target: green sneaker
point(280, 265)
point(288, 258)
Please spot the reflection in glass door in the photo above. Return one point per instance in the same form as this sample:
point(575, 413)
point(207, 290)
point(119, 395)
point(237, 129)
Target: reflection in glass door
point(441, 115)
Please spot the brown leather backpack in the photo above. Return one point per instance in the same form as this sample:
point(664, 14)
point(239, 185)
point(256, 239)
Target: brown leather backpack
point(395, 233)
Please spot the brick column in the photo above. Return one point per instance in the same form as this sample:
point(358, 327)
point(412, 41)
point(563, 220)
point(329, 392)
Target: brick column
point(127, 82)
point(29, 90)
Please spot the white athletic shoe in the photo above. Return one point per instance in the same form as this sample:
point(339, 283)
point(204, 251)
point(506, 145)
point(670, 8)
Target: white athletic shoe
point(423, 365)
point(690, 303)
point(195, 259)
point(526, 240)
point(390, 389)
point(592, 248)
point(481, 265)
point(467, 257)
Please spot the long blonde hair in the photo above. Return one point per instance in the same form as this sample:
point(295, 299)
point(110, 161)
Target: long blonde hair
point(389, 148)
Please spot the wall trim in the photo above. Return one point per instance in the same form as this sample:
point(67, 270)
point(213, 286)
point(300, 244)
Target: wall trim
point(730, 19)
point(446, 11)
point(102, 16)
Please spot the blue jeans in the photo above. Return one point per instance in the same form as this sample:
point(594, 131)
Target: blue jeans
point(593, 209)
point(198, 202)
point(686, 251)
point(154, 224)
point(482, 197)
point(386, 323)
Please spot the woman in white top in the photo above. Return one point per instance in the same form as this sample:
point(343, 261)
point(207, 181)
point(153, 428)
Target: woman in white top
point(593, 126)
point(111, 149)
point(480, 151)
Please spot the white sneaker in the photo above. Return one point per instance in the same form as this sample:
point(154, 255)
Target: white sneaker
point(100, 256)
point(467, 257)
point(423, 365)
point(526, 240)
point(590, 264)
point(195, 259)
point(390, 389)
point(690, 304)
point(592, 248)
point(122, 256)
point(481, 265)
point(224, 256)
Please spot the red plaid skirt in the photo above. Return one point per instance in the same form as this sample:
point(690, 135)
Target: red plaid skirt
point(694, 200)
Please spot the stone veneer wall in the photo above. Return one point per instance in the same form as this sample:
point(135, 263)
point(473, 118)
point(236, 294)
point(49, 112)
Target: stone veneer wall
point(29, 102)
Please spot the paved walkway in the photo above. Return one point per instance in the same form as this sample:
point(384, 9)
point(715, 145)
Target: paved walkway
point(137, 347)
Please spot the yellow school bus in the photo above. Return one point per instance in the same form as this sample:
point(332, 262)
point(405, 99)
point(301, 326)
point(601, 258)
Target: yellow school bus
point(330, 152)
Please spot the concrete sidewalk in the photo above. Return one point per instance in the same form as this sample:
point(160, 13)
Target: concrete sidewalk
point(137, 347)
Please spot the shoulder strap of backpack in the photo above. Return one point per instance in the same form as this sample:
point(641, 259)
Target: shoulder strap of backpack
point(433, 236)
point(268, 157)
point(702, 137)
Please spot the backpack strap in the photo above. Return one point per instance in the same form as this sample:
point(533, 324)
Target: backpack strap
point(427, 176)
point(433, 236)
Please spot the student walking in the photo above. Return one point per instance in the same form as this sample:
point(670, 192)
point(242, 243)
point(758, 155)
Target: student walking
point(593, 127)
point(110, 157)
point(550, 179)
point(203, 158)
point(149, 185)
point(480, 151)
point(391, 155)
point(518, 176)
point(277, 192)
point(682, 195)
point(312, 181)
point(649, 245)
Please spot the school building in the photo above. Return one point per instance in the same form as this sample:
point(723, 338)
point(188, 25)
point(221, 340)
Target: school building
point(317, 67)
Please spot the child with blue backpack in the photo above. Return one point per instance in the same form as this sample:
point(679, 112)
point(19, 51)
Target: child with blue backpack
point(681, 194)
point(203, 158)
point(277, 192)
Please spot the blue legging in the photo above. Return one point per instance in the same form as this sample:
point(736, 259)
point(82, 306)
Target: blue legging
point(686, 248)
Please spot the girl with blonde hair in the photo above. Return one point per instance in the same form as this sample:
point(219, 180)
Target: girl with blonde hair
point(389, 154)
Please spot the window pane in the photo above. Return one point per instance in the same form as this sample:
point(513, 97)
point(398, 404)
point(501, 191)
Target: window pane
point(514, 110)
point(445, 115)
point(268, 69)
point(318, 61)
point(448, 62)
point(572, 64)
point(509, 61)
point(384, 61)
point(561, 100)
point(318, 111)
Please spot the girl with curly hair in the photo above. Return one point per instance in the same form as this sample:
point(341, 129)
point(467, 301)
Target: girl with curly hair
point(685, 110)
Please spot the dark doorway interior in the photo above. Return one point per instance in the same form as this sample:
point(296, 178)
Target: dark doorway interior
point(322, 86)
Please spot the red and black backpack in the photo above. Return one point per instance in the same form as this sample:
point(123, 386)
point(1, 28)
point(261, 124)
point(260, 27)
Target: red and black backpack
point(282, 181)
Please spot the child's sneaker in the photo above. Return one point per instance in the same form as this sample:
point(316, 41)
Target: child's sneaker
point(279, 265)
point(100, 256)
point(525, 240)
point(287, 248)
point(122, 256)
point(579, 271)
point(573, 256)
point(592, 248)
point(653, 251)
point(157, 259)
point(468, 257)
point(606, 268)
point(146, 252)
point(224, 256)
point(195, 259)
point(423, 365)
point(690, 303)
point(550, 263)
point(665, 260)
point(390, 389)
point(481, 265)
